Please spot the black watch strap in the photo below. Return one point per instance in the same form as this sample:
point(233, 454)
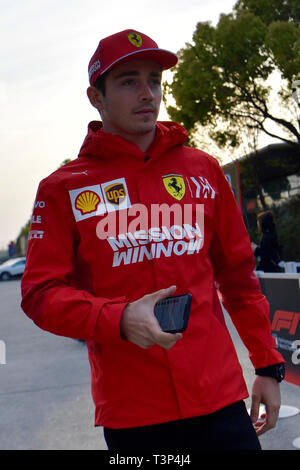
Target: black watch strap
point(277, 371)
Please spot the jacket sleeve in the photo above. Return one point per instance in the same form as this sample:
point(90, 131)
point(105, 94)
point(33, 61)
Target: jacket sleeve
point(233, 263)
point(49, 294)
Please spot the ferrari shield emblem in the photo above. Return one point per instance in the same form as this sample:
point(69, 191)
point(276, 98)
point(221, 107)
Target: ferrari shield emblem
point(135, 39)
point(175, 186)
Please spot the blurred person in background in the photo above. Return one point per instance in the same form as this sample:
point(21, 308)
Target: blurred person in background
point(269, 251)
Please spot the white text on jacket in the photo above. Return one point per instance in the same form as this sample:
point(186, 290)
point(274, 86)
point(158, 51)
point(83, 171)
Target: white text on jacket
point(145, 245)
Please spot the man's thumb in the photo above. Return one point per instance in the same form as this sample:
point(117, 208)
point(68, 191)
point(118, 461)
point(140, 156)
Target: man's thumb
point(163, 293)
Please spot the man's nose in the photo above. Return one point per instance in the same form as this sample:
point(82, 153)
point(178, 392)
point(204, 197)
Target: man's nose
point(145, 92)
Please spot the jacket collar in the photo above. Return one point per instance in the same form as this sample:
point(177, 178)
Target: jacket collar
point(109, 146)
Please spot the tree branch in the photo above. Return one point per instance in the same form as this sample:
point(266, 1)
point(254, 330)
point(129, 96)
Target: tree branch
point(264, 111)
point(276, 136)
point(259, 124)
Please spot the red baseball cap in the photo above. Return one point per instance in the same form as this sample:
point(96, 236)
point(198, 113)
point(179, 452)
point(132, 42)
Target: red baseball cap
point(124, 46)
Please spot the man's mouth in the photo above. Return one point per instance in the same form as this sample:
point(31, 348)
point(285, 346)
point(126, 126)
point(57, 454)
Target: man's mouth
point(144, 111)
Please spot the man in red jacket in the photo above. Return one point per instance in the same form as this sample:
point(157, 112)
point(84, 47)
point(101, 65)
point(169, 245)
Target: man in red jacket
point(152, 389)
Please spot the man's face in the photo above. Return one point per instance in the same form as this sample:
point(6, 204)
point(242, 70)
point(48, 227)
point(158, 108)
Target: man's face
point(132, 99)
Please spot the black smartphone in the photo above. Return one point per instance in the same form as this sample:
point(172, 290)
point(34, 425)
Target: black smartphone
point(173, 313)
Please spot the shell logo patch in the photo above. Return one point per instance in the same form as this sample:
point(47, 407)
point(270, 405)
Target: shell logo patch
point(175, 186)
point(115, 193)
point(135, 39)
point(87, 202)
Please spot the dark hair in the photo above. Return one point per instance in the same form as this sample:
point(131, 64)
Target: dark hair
point(266, 221)
point(100, 83)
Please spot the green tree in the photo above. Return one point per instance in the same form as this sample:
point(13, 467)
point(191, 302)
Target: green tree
point(221, 79)
point(67, 160)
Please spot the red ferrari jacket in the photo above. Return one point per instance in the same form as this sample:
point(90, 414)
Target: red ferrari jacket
point(94, 246)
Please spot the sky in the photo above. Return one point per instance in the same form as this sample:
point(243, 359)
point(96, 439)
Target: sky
point(44, 110)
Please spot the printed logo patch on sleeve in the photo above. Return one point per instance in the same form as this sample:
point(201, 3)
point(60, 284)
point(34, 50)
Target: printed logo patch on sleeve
point(87, 202)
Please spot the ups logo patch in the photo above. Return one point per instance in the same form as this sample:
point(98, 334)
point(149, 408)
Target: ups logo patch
point(115, 193)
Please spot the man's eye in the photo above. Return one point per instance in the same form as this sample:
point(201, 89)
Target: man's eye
point(129, 81)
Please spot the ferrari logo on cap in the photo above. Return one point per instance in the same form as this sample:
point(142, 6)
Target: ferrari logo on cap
point(135, 39)
point(175, 186)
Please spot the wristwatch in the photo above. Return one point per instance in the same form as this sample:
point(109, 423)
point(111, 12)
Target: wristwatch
point(277, 371)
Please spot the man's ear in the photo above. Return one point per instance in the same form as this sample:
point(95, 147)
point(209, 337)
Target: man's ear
point(96, 98)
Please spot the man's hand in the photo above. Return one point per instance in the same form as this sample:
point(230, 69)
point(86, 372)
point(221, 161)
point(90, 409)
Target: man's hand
point(265, 390)
point(140, 326)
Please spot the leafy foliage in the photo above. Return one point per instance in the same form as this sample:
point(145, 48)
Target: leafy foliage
point(220, 81)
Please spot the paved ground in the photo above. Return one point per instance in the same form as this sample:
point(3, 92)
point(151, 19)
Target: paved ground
point(45, 400)
point(287, 429)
